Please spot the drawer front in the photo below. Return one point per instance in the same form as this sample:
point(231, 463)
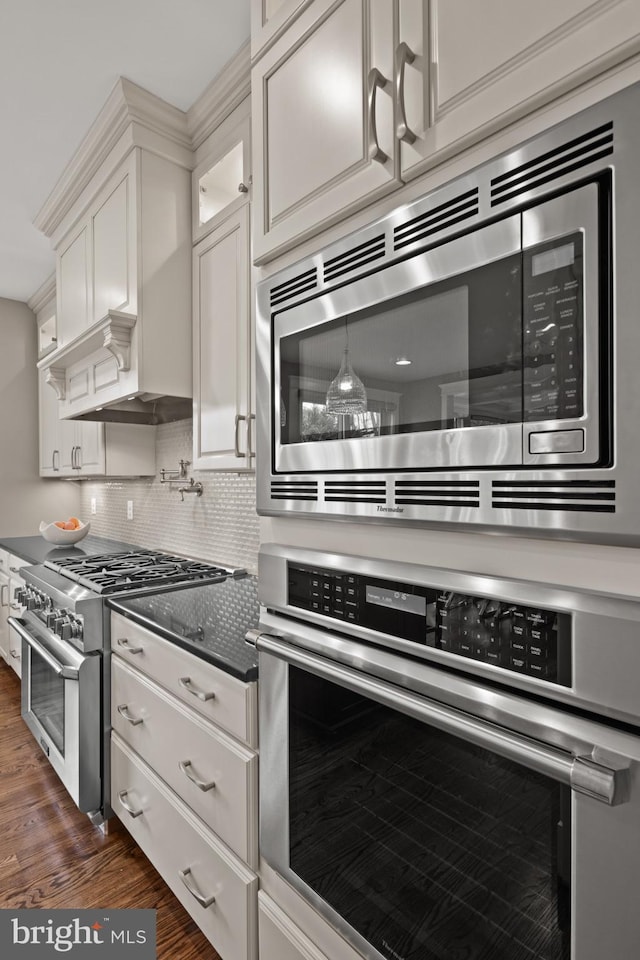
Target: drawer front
point(182, 748)
point(174, 840)
point(15, 564)
point(4, 561)
point(234, 703)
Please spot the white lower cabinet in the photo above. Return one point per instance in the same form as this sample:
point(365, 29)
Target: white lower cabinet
point(184, 779)
point(10, 582)
point(213, 885)
point(280, 938)
point(4, 605)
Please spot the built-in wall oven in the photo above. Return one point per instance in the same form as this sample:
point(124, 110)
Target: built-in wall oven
point(64, 629)
point(471, 357)
point(450, 762)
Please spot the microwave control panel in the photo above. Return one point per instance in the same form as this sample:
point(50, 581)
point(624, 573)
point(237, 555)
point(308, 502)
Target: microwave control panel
point(528, 640)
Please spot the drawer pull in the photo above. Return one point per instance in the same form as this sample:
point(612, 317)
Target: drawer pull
point(200, 694)
point(123, 642)
point(185, 876)
point(14, 653)
point(185, 766)
point(130, 810)
point(123, 711)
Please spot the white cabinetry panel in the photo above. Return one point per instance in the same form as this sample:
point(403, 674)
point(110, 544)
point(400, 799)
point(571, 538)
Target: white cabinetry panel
point(73, 288)
point(112, 252)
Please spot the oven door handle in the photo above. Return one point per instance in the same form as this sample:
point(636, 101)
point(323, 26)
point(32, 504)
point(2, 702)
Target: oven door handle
point(580, 773)
point(63, 670)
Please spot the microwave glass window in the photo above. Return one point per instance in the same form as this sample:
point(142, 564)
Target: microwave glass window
point(448, 355)
point(428, 846)
point(553, 330)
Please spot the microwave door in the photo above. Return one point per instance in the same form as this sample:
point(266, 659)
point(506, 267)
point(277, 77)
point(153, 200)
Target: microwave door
point(430, 349)
point(561, 331)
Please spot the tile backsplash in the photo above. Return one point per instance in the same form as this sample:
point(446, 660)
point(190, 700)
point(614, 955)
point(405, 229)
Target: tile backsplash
point(221, 525)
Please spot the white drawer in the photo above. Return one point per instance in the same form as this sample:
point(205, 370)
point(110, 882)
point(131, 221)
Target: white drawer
point(15, 564)
point(280, 938)
point(234, 705)
point(174, 840)
point(167, 734)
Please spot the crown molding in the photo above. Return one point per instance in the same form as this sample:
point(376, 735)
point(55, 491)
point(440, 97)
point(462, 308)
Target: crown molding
point(225, 92)
point(128, 107)
point(45, 292)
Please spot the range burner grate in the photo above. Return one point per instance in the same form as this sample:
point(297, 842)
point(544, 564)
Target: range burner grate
point(136, 569)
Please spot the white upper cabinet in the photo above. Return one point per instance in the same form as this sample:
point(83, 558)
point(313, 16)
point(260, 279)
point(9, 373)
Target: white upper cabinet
point(221, 180)
point(120, 222)
point(222, 416)
point(323, 131)
point(352, 98)
point(466, 69)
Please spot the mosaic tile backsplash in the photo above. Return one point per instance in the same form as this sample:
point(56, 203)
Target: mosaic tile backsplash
point(221, 525)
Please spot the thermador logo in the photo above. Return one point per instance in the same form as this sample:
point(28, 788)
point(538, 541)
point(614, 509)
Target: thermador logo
point(390, 509)
point(84, 934)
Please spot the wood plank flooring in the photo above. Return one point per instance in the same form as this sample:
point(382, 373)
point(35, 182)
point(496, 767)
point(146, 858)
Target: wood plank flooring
point(51, 856)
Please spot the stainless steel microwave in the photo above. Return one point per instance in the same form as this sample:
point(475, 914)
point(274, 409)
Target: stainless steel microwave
point(474, 357)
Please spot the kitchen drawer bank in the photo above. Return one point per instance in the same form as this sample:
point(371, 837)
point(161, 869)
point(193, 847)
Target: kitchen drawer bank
point(184, 779)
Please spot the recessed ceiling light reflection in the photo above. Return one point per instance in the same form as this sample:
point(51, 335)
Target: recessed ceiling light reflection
point(402, 362)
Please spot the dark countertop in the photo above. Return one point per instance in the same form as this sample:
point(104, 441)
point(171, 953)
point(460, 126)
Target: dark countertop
point(209, 621)
point(37, 549)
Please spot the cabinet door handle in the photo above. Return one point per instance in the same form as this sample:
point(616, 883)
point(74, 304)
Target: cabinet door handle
point(124, 712)
point(56, 453)
point(204, 785)
point(186, 877)
point(404, 55)
point(374, 80)
point(130, 810)
point(243, 188)
point(200, 694)
point(236, 443)
point(78, 458)
point(4, 597)
point(251, 417)
point(14, 654)
point(123, 642)
point(73, 458)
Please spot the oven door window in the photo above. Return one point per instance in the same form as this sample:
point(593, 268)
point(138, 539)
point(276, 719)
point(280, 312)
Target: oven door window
point(47, 699)
point(428, 847)
point(448, 355)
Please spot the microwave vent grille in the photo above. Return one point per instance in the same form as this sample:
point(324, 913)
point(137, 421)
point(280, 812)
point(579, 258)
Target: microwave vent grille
point(584, 496)
point(438, 219)
point(289, 289)
point(294, 489)
point(576, 153)
point(355, 491)
point(438, 493)
point(354, 258)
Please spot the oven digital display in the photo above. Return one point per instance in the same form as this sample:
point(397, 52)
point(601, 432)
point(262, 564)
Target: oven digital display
point(396, 600)
point(553, 259)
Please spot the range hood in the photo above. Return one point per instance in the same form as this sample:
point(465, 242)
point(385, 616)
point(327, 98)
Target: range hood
point(146, 409)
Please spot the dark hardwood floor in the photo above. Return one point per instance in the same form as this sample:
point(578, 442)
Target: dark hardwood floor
point(51, 856)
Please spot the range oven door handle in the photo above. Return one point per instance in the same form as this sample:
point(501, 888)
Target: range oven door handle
point(60, 669)
point(580, 773)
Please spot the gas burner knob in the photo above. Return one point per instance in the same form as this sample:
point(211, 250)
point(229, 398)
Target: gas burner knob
point(76, 630)
point(20, 595)
point(31, 600)
point(61, 621)
point(50, 618)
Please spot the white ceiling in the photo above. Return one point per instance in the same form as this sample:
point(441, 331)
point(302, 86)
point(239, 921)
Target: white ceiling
point(59, 60)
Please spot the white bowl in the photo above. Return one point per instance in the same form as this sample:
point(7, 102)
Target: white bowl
point(63, 537)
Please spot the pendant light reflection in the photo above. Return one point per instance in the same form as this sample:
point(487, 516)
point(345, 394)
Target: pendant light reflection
point(346, 394)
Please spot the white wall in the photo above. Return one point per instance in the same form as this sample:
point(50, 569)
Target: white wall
point(25, 499)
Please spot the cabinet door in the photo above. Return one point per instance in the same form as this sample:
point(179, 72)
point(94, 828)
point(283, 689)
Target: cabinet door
point(269, 18)
point(72, 285)
point(220, 182)
point(322, 112)
point(469, 69)
point(14, 641)
point(90, 448)
point(50, 453)
point(114, 239)
point(222, 347)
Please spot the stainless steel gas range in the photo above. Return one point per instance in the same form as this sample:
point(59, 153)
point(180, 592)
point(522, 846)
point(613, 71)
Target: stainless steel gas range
point(65, 655)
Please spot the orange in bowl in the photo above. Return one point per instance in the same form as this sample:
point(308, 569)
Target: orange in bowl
point(64, 532)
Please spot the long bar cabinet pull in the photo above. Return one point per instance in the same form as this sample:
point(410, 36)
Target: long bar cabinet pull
point(123, 710)
point(236, 441)
point(123, 642)
point(187, 878)
point(187, 769)
point(200, 694)
point(404, 55)
point(55, 455)
point(130, 810)
point(375, 80)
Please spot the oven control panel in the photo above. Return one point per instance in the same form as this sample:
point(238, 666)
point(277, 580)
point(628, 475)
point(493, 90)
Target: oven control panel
point(528, 640)
point(61, 622)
